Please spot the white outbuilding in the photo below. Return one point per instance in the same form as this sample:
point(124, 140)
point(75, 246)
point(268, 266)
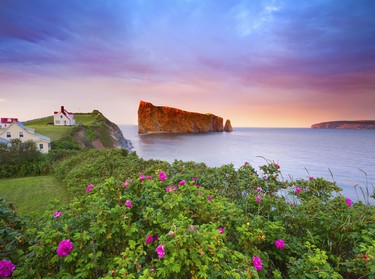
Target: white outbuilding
point(64, 118)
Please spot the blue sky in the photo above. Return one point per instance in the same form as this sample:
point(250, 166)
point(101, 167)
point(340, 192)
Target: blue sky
point(263, 63)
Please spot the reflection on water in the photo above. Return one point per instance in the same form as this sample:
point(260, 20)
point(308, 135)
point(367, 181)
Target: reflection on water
point(300, 152)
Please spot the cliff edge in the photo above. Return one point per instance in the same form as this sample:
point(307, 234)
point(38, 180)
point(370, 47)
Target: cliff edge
point(161, 119)
point(357, 125)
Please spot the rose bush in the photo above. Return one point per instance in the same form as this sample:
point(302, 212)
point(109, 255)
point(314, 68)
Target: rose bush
point(196, 222)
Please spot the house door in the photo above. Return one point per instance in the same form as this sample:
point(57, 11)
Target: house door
point(65, 122)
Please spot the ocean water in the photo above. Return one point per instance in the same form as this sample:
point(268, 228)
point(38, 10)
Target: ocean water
point(344, 156)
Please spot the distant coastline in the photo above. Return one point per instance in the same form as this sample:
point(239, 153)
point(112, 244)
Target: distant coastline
point(356, 125)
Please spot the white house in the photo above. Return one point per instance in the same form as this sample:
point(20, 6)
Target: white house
point(5, 122)
point(64, 118)
point(18, 131)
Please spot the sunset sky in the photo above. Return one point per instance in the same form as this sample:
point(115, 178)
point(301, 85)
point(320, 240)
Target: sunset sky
point(263, 63)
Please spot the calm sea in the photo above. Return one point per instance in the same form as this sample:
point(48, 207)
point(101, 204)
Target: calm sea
point(349, 155)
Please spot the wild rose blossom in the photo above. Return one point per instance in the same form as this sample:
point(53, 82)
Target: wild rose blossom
point(348, 202)
point(57, 214)
point(277, 166)
point(162, 176)
point(182, 182)
point(64, 248)
point(142, 177)
point(280, 244)
point(160, 251)
point(149, 239)
point(209, 198)
point(194, 178)
point(221, 230)
point(259, 198)
point(128, 204)
point(298, 190)
point(311, 178)
point(89, 188)
point(258, 189)
point(257, 263)
point(149, 177)
point(6, 268)
point(171, 233)
point(125, 185)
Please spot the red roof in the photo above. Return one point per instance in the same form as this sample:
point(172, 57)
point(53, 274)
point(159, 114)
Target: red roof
point(8, 120)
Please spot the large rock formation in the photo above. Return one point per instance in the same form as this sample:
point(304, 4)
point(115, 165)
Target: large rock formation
point(155, 119)
point(357, 125)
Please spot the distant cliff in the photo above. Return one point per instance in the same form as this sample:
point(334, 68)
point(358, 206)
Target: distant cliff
point(160, 119)
point(357, 125)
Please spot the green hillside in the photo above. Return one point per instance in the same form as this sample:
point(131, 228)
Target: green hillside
point(43, 127)
point(92, 130)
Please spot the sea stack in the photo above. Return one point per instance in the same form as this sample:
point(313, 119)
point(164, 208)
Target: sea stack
point(161, 119)
point(228, 126)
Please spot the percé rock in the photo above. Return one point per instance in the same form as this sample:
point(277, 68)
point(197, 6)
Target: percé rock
point(161, 119)
point(228, 126)
point(357, 125)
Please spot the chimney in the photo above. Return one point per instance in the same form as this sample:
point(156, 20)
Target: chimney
point(62, 109)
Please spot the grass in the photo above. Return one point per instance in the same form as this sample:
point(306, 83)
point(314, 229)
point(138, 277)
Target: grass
point(32, 194)
point(59, 132)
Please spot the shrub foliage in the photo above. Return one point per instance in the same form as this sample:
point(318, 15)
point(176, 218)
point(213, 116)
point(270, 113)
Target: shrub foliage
point(132, 218)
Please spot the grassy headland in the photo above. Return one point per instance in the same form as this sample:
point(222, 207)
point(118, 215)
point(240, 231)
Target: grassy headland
point(93, 130)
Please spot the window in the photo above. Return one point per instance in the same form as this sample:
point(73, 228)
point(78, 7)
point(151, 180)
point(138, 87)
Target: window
point(9, 135)
point(21, 134)
point(60, 116)
point(41, 146)
point(57, 121)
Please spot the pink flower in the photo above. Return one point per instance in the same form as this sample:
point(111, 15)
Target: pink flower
point(221, 230)
point(57, 214)
point(149, 177)
point(258, 189)
point(160, 251)
point(168, 189)
point(182, 182)
point(311, 178)
point(259, 198)
point(192, 228)
point(349, 202)
point(280, 244)
point(149, 239)
point(198, 186)
point(142, 177)
point(89, 188)
point(128, 204)
point(6, 268)
point(246, 163)
point(257, 263)
point(298, 190)
point(174, 188)
point(209, 198)
point(194, 178)
point(64, 248)
point(125, 185)
point(277, 166)
point(162, 176)
point(171, 233)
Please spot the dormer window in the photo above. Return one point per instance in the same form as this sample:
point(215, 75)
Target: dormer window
point(21, 134)
point(9, 135)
